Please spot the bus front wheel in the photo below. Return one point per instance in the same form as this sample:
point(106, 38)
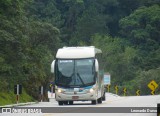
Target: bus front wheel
point(70, 102)
point(94, 102)
point(65, 102)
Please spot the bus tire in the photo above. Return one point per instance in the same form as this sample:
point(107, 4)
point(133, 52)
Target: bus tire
point(60, 103)
point(104, 97)
point(94, 102)
point(70, 102)
point(65, 102)
point(100, 100)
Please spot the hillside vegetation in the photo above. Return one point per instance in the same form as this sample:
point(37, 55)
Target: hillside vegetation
point(127, 31)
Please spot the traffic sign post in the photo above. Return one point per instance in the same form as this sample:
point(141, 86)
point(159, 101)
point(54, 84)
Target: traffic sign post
point(17, 91)
point(138, 92)
point(116, 89)
point(125, 91)
point(152, 92)
point(152, 86)
point(107, 79)
point(108, 87)
point(41, 92)
point(158, 109)
point(51, 86)
point(52, 91)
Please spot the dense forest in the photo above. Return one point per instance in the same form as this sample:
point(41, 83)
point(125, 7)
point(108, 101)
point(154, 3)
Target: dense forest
point(31, 31)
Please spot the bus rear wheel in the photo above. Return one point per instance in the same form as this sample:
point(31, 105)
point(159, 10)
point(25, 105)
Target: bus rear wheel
point(60, 103)
point(104, 97)
point(100, 100)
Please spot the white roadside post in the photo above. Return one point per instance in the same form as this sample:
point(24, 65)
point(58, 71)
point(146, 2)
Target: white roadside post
point(17, 98)
point(41, 93)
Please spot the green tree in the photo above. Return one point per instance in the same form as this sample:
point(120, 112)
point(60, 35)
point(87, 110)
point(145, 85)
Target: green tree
point(27, 48)
point(145, 77)
point(46, 11)
point(41, 45)
point(71, 11)
point(142, 30)
point(142, 27)
point(118, 58)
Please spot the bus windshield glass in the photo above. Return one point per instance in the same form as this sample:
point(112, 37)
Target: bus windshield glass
point(75, 73)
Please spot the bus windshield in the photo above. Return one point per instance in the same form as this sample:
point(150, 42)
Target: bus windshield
point(75, 73)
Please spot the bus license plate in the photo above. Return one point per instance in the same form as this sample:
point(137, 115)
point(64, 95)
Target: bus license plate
point(75, 97)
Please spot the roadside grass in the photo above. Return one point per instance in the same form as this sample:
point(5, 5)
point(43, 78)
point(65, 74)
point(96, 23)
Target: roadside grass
point(10, 98)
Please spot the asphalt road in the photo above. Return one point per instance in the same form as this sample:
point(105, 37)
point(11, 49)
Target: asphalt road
point(113, 106)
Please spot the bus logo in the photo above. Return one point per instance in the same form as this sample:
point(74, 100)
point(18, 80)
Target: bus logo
point(6, 110)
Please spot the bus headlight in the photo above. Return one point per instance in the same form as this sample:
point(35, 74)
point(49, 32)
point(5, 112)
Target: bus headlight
point(91, 90)
point(59, 91)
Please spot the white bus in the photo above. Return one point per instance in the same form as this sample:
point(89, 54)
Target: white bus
point(78, 75)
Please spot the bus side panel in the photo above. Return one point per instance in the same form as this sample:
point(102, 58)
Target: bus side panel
point(100, 75)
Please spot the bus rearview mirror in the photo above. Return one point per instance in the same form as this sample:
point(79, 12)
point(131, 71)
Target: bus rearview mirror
point(96, 65)
point(53, 66)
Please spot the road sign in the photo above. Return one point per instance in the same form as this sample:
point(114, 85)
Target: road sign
point(50, 85)
point(17, 89)
point(41, 92)
point(107, 79)
point(125, 91)
point(116, 89)
point(108, 87)
point(153, 85)
point(138, 92)
point(152, 92)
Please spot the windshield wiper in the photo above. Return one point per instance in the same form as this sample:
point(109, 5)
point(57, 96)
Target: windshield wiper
point(80, 78)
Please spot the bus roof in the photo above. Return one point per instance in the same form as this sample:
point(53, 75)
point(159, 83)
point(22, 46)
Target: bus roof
point(77, 52)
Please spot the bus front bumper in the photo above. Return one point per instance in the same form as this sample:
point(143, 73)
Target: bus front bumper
point(75, 97)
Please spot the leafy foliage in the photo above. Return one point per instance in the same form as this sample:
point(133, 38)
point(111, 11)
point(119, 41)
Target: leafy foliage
point(31, 31)
point(27, 48)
